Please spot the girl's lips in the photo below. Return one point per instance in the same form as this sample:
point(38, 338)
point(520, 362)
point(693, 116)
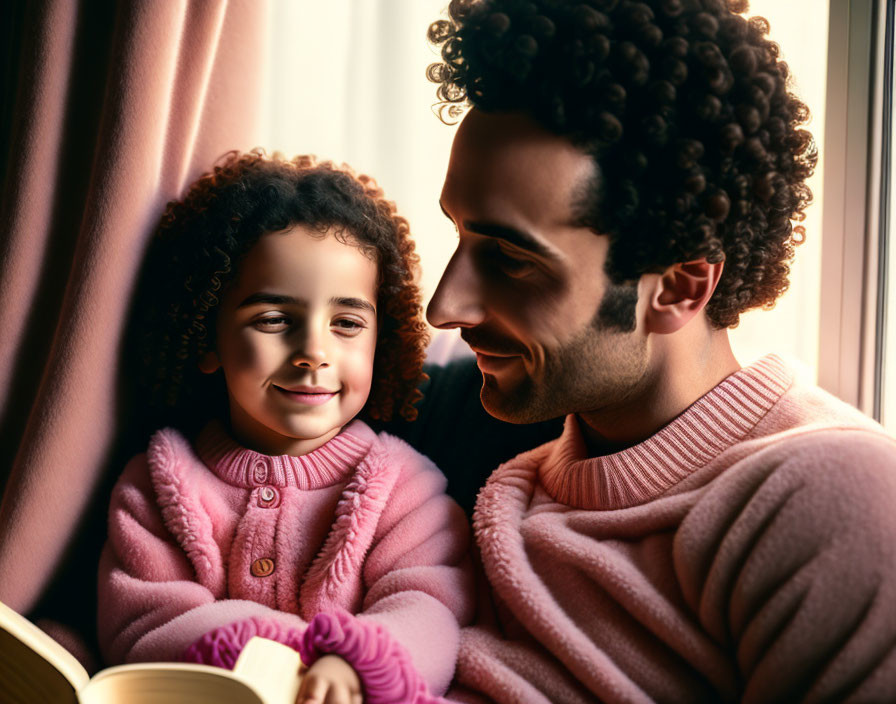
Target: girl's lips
point(307, 396)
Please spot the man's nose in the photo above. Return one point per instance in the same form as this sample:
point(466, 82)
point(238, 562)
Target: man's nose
point(457, 302)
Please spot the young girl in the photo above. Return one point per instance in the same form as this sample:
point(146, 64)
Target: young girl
point(283, 306)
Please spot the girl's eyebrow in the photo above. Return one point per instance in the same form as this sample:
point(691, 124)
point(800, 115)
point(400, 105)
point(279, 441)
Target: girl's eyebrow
point(359, 303)
point(272, 298)
point(278, 299)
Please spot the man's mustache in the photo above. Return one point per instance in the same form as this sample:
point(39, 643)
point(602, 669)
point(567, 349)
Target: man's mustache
point(488, 342)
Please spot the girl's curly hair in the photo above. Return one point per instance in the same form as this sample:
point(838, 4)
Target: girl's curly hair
point(196, 252)
point(684, 106)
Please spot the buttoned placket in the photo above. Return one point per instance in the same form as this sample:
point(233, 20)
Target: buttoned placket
point(265, 497)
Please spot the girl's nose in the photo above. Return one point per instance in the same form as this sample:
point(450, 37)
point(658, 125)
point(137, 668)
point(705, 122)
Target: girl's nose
point(311, 355)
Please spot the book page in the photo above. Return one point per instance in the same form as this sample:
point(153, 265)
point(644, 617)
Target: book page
point(271, 668)
point(167, 683)
point(33, 666)
point(25, 677)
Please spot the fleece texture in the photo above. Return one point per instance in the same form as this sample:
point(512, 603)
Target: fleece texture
point(209, 543)
point(744, 553)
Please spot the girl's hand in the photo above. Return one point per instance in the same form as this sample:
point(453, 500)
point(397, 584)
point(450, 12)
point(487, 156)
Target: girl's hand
point(330, 680)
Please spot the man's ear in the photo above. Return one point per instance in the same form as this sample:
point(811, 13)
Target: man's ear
point(679, 293)
point(209, 362)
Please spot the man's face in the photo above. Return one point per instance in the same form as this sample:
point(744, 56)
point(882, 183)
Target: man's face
point(526, 283)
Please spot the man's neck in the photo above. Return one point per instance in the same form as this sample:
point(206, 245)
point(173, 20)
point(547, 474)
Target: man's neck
point(683, 369)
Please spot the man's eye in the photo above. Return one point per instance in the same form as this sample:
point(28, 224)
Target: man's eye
point(272, 324)
point(513, 265)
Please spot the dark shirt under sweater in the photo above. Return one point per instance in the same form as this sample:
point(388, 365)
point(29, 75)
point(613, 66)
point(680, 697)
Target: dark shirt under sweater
point(455, 431)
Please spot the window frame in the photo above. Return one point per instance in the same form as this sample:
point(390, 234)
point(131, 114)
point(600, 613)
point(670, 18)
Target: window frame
point(853, 264)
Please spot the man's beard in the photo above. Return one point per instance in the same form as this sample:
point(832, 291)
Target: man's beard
point(597, 368)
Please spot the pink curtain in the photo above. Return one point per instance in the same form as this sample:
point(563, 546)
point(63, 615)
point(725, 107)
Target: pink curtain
point(110, 109)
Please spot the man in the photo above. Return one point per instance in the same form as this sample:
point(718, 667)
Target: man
point(623, 188)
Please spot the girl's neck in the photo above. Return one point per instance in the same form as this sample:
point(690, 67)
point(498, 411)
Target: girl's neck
point(253, 435)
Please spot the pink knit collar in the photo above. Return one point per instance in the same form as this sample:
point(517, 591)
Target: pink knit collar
point(637, 474)
point(325, 466)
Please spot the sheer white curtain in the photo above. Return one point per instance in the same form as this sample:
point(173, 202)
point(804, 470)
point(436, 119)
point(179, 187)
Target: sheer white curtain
point(346, 81)
point(800, 27)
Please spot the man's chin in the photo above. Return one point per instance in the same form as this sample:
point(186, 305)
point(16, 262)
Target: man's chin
point(513, 404)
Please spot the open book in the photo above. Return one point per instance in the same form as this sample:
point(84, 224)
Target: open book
point(35, 668)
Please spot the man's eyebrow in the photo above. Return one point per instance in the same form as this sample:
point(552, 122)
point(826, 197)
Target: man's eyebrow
point(517, 238)
point(278, 299)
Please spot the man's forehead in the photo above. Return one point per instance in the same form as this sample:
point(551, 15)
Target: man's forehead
point(514, 134)
point(510, 155)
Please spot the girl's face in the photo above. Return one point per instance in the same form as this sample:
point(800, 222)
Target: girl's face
point(296, 336)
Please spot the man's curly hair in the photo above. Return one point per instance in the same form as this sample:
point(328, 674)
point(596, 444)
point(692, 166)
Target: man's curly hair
point(684, 106)
point(196, 252)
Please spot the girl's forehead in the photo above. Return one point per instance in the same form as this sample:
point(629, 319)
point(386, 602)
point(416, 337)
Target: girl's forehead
point(304, 258)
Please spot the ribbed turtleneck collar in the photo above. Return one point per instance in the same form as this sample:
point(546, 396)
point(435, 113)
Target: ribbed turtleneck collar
point(325, 466)
point(637, 474)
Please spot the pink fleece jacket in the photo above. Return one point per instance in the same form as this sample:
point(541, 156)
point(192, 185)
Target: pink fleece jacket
point(352, 549)
point(746, 552)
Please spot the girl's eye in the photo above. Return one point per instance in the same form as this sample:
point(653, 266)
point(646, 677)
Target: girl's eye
point(277, 323)
point(348, 326)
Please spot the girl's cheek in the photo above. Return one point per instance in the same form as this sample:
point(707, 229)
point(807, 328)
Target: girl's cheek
point(246, 354)
point(359, 371)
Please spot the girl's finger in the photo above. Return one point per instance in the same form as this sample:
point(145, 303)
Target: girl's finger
point(313, 691)
point(338, 694)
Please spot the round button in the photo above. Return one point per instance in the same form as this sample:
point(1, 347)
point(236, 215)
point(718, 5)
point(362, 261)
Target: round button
point(268, 497)
point(262, 567)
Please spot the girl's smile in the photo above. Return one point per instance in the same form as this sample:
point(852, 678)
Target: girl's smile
point(312, 396)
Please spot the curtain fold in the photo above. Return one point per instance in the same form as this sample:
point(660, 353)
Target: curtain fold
point(113, 108)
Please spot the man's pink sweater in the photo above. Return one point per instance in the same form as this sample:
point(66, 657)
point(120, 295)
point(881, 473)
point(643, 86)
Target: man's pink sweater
point(213, 544)
point(746, 552)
